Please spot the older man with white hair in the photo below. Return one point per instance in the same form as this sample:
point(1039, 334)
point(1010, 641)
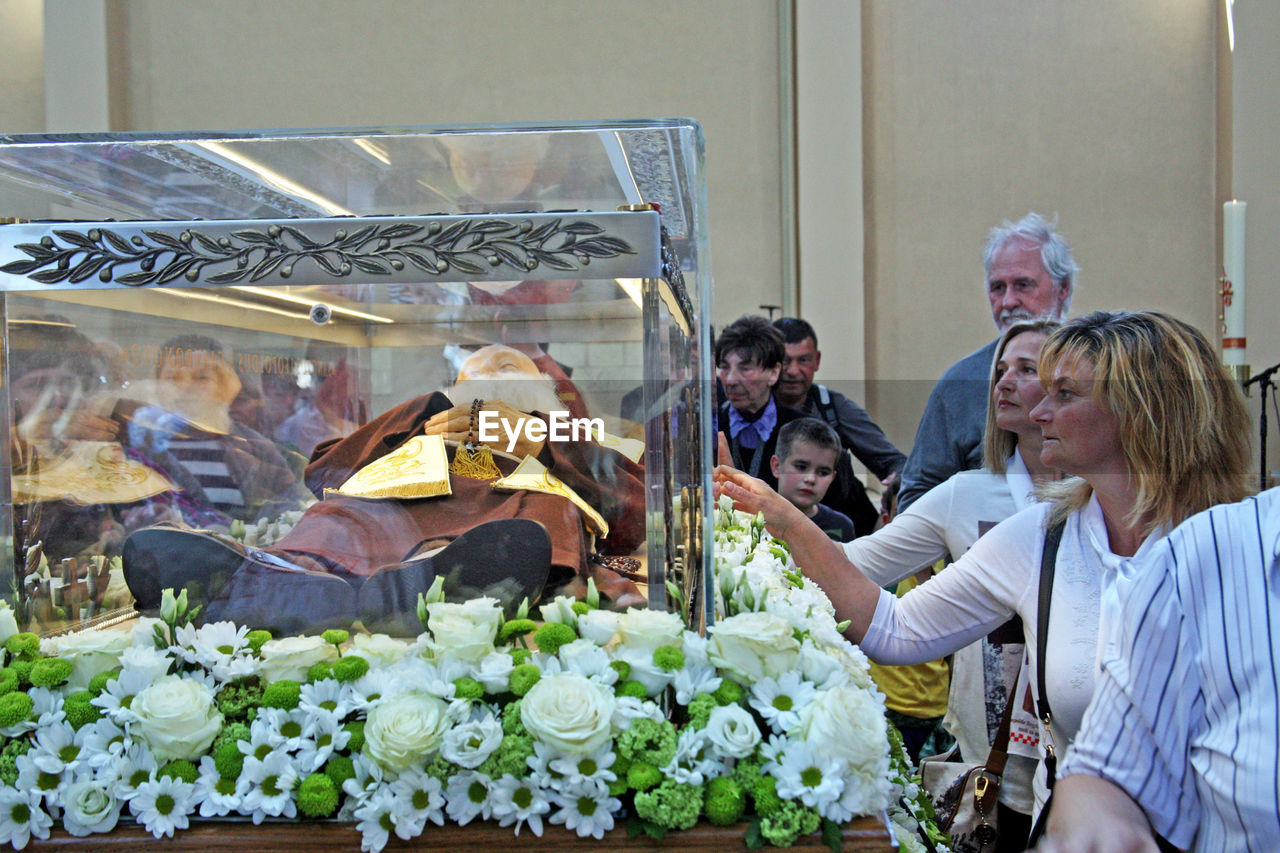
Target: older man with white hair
point(1029, 274)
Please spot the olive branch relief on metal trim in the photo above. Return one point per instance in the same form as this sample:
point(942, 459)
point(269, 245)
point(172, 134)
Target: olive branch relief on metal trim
point(469, 246)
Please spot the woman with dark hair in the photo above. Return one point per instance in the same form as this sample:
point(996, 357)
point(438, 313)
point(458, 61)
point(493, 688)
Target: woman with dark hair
point(1142, 415)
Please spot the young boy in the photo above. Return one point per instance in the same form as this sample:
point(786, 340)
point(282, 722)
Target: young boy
point(805, 465)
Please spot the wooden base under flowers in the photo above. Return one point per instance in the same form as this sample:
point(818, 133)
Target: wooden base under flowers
point(863, 834)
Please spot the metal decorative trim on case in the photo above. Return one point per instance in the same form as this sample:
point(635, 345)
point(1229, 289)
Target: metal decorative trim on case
point(470, 246)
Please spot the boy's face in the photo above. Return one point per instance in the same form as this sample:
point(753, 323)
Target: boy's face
point(805, 475)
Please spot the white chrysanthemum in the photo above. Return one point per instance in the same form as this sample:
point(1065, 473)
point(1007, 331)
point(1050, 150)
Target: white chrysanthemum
point(468, 797)
point(210, 644)
point(326, 698)
point(115, 698)
point(773, 750)
point(586, 809)
point(469, 743)
point(271, 783)
point(695, 760)
point(371, 687)
point(135, 767)
point(590, 769)
point(57, 749)
point(21, 817)
point(377, 818)
point(163, 805)
point(695, 678)
point(540, 764)
point(48, 786)
point(104, 742)
point(327, 737)
point(808, 775)
point(285, 730)
point(366, 778)
point(780, 700)
point(215, 795)
point(629, 708)
point(519, 802)
point(420, 799)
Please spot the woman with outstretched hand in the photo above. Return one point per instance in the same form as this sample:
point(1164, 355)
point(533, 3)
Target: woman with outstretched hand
point(1151, 429)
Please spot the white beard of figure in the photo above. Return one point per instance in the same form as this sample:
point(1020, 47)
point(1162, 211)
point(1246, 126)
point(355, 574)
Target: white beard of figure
point(518, 390)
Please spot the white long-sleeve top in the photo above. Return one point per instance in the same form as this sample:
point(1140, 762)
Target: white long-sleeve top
point(943, 524)
point(998, 578)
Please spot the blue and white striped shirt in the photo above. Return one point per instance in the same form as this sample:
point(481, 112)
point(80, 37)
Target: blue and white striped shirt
point(1184, 712)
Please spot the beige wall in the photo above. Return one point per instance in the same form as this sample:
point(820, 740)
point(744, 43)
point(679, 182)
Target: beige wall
point(1099, 111)
point(1102, 111)
point(22, 46)
point(307, 63)
point(1256, 180)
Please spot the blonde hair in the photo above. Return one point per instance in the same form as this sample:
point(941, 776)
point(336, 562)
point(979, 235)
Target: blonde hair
point(1184, 430)
point(998, 444)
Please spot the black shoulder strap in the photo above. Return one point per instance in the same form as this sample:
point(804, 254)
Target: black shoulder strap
point(1048, 559)
point(826, 407)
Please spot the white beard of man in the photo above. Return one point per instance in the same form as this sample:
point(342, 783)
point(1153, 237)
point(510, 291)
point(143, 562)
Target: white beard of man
point(518, 390)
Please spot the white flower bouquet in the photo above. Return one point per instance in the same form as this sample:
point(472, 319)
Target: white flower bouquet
point(587, 719)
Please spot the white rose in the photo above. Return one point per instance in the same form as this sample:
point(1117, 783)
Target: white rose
point(147, 660)
point(89, 807)
point(144, 630)
point(568, 712)
point(752, 646)
point(494, 671)
point(560, 610)
point(378, 649)
point(290, 658)
point(403, 731)
point(464, 631)
point(821, 668)
point(647, 629)
point(846, 722)
point(176, 718)
point(733, 731)
point(586, 658)
point(8, 624)
point(469, 744)
point(598, 626)
point(89, 652)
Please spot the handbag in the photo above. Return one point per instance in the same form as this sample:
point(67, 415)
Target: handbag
point(964, 795)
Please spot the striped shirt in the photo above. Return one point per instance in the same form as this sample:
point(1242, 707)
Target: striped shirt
point(1184, 714)
point(205, 456)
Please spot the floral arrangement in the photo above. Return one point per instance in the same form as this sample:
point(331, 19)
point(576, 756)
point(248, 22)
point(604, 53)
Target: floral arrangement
point(581, 720)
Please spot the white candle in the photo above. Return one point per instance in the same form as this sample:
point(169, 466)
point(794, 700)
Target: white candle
point(1233, 335)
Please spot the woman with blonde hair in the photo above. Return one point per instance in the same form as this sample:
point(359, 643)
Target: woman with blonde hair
point(943, 524)
point(1152, 429)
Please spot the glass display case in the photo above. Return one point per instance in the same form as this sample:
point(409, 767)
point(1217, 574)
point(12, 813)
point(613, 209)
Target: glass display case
point(222, 349)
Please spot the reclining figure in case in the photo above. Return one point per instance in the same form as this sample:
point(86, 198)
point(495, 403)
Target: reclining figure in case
point(386, 527)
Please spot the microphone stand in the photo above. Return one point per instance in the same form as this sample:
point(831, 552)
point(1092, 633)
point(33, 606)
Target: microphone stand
point(1263, 379)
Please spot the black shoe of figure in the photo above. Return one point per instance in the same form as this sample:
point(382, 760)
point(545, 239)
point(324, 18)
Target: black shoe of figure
point(507, 559)
point(267, 592)
point(156, 558)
